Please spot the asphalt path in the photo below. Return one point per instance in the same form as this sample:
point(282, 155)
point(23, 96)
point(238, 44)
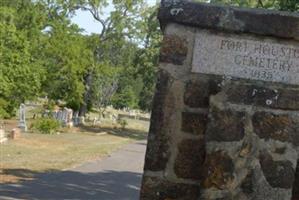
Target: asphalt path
point(117, 177)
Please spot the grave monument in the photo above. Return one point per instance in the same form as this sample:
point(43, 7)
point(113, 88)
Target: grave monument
point(225, 118)
point(3, 137)
point(22, 118)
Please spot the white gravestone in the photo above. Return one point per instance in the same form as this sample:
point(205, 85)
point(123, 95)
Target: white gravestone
point(69, 122)
point(76, 120)
point(22, 118)
point(81, 120)
point(64, 116)
point(59, 116)
point(3, 137)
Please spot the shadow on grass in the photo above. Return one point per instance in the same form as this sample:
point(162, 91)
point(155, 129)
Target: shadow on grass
point(107, 185)
point(127, 133)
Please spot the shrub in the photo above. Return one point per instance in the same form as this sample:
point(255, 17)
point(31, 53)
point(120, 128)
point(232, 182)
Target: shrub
point(50, 105)
point(125, 98)
point(46, 125)
point(122, 122)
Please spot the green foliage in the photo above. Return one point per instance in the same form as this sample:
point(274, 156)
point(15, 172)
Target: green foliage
point(20, 77)
point(4, 108)
point(125, 98)
point(123, 123)
point(104, 84)
point(128, 32)
point(290, 5)
point(46, 125)
point(43, 54)
point(50, 105)
point(67, 58)
point(146, 59)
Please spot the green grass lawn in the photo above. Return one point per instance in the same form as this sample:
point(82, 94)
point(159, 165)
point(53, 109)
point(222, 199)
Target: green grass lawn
point(43, 153)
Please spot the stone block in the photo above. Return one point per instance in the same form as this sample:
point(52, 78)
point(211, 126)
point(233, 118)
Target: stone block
point(295, 193)
point(218, 170)
point(157, 153)
point(3, 137)
point(251, 95)
point(277, 127)
point(287, 99)
point(225, 125)
point(3, 140)
point(279, 174)
point(2, 133)
point(154, 188)
point(190, 159)
point(229, 19)
point(69, 124)
point(194, 123)
point(247, 185)
point(280, 150)
point(174, 50)
point(197, 92)
point(277, 98)
point(15, 133)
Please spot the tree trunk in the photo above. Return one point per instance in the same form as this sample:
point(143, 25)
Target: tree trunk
point(87, 94)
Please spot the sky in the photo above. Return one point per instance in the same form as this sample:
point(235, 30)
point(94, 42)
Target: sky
point(85, 20)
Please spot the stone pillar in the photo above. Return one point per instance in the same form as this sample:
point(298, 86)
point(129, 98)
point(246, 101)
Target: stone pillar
point(226, 109)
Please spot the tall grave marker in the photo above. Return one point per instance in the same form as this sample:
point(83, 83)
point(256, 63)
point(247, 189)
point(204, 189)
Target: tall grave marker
point(225, 121)
point(22, 118)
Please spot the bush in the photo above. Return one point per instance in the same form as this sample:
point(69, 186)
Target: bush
point(122, 122)
point(4, 114)
point(46, 125)
point(125, 98)
point(50, 105)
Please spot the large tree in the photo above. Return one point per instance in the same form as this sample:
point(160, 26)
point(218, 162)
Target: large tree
point(67, 57)
point(146, 59)
point(122, 35)
point(21, 75)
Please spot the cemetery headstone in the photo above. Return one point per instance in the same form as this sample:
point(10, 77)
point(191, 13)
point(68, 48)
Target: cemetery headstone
point(95, 121)
point(65, 116)
point(59, 115)
point(81, 120)
point(55, 114)
point(114, 118)
point(3, 137)
point(46, 113)
point(15, 134)
point(22, 118)
point(69, 122)
point(225, 116)
point(76, 119)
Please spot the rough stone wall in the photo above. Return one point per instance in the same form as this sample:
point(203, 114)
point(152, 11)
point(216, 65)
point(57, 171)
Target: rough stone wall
point(216, 136)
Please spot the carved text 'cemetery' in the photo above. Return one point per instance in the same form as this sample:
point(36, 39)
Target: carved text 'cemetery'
point(246, 57)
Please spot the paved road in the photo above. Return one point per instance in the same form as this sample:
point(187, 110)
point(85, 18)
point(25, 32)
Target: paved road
point(117, 177)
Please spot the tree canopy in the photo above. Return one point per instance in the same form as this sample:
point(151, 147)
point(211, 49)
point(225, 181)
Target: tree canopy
point(43, 54)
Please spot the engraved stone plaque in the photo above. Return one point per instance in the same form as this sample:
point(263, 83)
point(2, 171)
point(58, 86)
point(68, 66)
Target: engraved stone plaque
point(246, 57)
